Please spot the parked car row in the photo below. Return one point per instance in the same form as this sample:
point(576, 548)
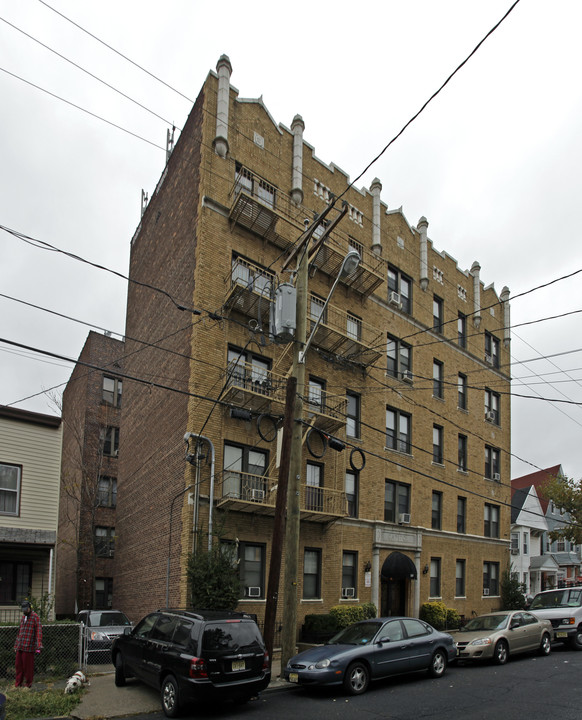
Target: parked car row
point(200, 655)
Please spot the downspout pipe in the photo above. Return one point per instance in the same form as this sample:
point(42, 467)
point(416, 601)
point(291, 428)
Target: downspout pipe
point(187, 437)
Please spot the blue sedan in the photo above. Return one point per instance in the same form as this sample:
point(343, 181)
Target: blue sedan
point(373, 649)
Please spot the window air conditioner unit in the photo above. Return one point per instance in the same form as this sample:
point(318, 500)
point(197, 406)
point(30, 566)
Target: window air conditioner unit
point(485, 591)
point(394, 299)
point(404, 518)
point(254, 591)
point(488, 359)
point(515, 551)
point(496, 477)
point(348, 592)
point(490, 416)
point(257, 494)
point(407, 376)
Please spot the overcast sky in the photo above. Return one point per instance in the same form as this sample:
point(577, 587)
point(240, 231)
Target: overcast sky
point(493, 162)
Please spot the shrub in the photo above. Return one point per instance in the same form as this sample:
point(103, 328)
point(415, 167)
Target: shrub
point(435, 614)
point(318, 628)
point(453, 619)
point(370, 610)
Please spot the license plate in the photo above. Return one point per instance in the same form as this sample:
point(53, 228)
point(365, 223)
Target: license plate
point(238, 665)
point(561, 634)
point(293, 677)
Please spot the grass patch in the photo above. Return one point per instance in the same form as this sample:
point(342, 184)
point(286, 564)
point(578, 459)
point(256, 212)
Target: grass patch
point(25, 704)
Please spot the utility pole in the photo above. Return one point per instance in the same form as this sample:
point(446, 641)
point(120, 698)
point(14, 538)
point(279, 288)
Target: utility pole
point(279, 521)
point(289, 632)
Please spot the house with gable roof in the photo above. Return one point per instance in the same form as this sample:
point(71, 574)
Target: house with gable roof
point(565, 554)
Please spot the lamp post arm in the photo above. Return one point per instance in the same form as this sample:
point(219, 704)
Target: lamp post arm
point(303, 353)
point(170, 541)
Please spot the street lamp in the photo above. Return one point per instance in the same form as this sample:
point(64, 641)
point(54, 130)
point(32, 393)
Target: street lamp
point(289, 630)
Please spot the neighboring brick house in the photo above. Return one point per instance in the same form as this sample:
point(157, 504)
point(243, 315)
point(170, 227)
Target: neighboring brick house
point(91, 415)
point(410, 368)
point(30, 463)
point(561, 562)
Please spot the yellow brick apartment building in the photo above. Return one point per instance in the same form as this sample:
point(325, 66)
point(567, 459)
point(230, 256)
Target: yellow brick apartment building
point(408, 368)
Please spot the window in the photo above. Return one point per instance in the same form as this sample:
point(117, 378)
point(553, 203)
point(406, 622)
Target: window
point(110, 441)
point(460, 578)
point(492, 401)
point(254, 185)
point(249, 275)
point(515, 543)
point(461, 514)
point(10, 476)
point(525, 549)
point(349, 574)
point(316, 310)
point(112, 391)
point(107, 491)
point(437, 444)
point(311, 573)
point(353, 415)
point(435, 577)
point(462, 330)
point(15, 581)
point(402, 286)
point(248, 371)
point(251, 569)
point(437, 510)
point(462, 453)
point(437, 379)
point(561, 545)
point(396, 500)
point(491, 518)
point(492, 463)
point(491, 350)
point(399, 358)
point(244, 470)
point(354, 327)
point(462, 392)
point(352, 493)
point(316, 395)
point(437, 314)
point(103, 593)
point(490, 578)
point(104, 541)
point(398, 430)
point(314, 489)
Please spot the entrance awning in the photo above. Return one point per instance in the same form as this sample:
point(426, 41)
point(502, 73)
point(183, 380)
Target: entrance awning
point(398, 565)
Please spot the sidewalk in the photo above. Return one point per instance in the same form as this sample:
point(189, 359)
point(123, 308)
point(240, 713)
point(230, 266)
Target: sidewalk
point(103, 700)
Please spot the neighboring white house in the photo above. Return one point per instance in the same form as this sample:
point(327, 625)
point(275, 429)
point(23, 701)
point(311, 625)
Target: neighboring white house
point(558, 562)
point(30, 468)
point(528, 528)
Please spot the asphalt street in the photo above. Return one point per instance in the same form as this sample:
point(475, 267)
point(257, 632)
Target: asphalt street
point(529, 687)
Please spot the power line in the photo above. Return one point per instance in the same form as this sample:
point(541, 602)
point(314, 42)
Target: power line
point(116, 51)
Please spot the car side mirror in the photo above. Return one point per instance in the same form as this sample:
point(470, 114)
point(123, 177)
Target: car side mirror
point(127, 631)
point(383, 640)
point(514, 624)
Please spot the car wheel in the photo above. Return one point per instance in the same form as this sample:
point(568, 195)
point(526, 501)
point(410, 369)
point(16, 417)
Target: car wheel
point(119, 672)
point(546, 644)
point(438, 664)
point(170, 697)
point(356, 679)
point(501, 653)
point(576, 642)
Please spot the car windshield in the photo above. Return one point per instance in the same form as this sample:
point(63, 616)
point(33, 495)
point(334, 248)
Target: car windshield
point(557, 599)
point(359, 634)
point(106, 619)
point(486, 622)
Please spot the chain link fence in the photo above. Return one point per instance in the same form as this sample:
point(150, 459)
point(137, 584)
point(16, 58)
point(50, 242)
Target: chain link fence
point(60, 657)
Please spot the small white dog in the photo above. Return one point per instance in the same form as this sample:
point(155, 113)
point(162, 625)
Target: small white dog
point(76, 681)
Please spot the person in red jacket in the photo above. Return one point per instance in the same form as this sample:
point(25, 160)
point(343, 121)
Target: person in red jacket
point(28, 643)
